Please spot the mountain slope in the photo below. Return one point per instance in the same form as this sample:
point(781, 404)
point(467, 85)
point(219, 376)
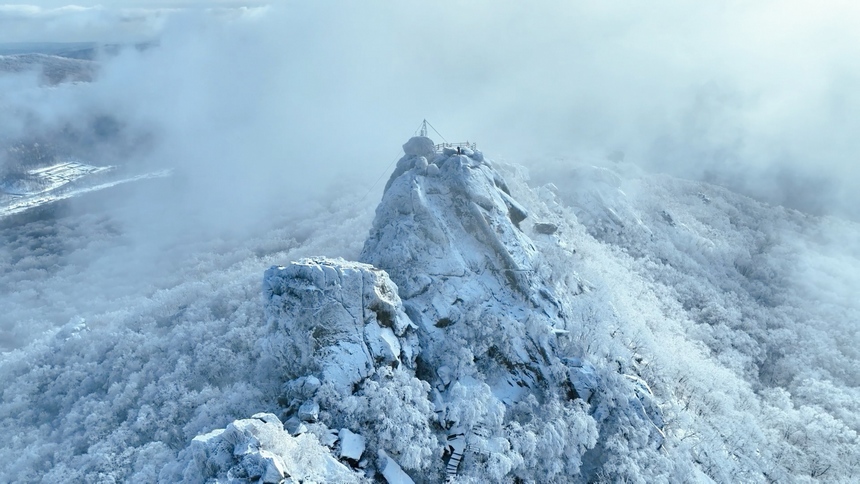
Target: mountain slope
point(603, 327)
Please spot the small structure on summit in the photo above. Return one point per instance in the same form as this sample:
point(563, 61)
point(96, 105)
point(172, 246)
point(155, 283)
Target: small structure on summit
point(422, 152)
point(439, 148)
point(456, 146)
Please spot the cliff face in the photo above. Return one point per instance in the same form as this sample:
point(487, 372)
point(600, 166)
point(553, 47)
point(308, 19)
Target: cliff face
point(493, 317)
point(338, 320)
point(447, 233)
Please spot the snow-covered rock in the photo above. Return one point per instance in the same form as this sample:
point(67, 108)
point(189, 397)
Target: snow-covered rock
point(419, 150)
point(467, 272)
point(447, 340)
point(351, 444)
point(295, 426)
point(420, 146)
point(309, 411)
point(338, 320)
point(545, 228)
point(391, 471)
point(349, 349)
point(481, 294)
point(257, 449)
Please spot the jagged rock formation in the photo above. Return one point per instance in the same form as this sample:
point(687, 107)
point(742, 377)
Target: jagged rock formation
point(457, 365)
point(448, 233)
point(258, 449)
point(350, 349)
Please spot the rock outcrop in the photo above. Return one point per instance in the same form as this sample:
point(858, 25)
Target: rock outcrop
point(338, 320)
point(258, 449)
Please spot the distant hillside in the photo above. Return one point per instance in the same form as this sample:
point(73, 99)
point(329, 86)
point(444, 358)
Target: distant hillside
point(72, 50)
point(54, 68)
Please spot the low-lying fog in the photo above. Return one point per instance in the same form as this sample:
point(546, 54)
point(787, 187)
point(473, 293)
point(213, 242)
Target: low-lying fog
point(266, 110)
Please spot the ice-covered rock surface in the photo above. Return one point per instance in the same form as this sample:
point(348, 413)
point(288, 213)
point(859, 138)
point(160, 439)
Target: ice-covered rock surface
point(351, 445)
point(391, 472)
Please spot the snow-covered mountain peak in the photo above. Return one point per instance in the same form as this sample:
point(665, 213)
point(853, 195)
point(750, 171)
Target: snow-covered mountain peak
point(459, 365)
point(448, 233)
point(450, 215)
point(451, 235)
point(446, 368)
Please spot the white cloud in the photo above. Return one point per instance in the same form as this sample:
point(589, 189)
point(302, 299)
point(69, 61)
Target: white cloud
point(107, 22)
point(71, 23)
point(758, 95)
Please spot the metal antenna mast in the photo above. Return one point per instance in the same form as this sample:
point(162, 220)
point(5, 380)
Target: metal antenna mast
point(423, 131)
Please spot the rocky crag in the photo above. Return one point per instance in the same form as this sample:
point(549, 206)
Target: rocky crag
point(443, 354)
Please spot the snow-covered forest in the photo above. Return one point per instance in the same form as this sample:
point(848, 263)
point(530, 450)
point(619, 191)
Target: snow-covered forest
point(671, 302)
point(737, 315)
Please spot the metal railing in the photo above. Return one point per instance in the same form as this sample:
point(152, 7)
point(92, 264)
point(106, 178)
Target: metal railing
point(441, 146)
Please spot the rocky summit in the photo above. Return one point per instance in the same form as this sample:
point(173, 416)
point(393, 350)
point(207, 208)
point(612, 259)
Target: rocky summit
point(444, 353)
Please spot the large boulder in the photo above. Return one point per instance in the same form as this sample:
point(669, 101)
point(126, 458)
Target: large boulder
point(420, 146)
point(417, 153)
